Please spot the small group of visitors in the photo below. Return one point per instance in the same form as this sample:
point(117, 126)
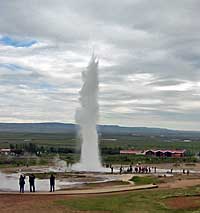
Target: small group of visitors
point(186, 171)
point(32, 183)
point(137, 169)
point(144, 169)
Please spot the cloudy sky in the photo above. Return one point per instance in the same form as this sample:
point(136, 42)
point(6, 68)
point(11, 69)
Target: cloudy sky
point(149, 54)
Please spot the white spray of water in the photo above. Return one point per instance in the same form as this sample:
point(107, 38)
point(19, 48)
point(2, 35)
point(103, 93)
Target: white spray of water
point(58, 163)
point(87, 117)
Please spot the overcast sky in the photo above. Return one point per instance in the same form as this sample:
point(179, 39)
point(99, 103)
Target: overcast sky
point(149, 52)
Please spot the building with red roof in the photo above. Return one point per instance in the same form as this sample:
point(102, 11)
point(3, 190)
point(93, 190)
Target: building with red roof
point(157, 152)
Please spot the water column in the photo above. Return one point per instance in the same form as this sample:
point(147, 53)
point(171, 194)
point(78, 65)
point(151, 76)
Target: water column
point(87, 116)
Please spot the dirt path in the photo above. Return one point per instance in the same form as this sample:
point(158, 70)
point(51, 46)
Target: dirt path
point(110, 189)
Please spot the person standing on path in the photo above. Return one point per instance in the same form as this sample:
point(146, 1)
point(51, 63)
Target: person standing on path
point(21, 183)
point(52, 183)
point(32, 182)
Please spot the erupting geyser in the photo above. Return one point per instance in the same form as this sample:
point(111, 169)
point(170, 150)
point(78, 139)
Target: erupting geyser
point(86, 117)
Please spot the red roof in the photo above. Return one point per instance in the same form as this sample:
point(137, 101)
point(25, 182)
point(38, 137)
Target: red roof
point(130, 151)
point(167, 150)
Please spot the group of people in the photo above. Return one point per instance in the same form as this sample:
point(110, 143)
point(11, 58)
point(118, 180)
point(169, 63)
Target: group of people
point(143, 169)
point(32, 183)
point(186, 171)
point(137, 169)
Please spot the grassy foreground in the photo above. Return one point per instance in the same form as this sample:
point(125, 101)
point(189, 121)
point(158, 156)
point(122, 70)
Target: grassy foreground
point(152, 201)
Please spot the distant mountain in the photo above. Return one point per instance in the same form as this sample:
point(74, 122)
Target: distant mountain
point(142, 131)
point(102, 129)
point(38, 127)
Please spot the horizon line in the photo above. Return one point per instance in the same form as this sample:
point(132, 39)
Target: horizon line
point(57, 122)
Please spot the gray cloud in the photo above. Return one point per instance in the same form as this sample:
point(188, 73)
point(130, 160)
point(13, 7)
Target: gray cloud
point(149, 60)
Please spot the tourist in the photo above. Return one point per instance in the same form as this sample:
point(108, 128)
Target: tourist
point(52, 183)
point(111, 169)
point(32, 182)
point(22, 183)
point(143, 169)
point(128, 170)
point(183, 171)
point(131, 169)
point(120, 170)
point(188, 172)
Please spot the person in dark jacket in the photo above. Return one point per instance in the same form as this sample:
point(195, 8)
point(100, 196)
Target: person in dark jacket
point(32, 182)
point(120, 170)
point(21, 183)
point(52, 183)
point(111, 169)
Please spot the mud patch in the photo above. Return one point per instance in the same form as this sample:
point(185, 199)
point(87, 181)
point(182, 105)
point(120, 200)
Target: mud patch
point(187, 202)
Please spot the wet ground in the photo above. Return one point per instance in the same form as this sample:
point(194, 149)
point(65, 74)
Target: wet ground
point(66, 179)
point(9, 178)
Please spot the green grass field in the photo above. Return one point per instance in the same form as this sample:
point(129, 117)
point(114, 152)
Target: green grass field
point(145, 180)
point(121, 142)
point(152, 201)
point(67, 145)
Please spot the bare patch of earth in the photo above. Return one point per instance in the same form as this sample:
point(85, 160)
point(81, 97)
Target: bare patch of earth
point(186, 203)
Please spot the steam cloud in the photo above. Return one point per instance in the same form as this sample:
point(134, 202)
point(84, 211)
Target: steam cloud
point(87, 116)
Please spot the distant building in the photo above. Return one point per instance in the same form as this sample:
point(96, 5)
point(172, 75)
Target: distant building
point(156, 153)
point(187, 140)
point(166, 153)
point(149, 152)
point(5, 151)
point(132, 152)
